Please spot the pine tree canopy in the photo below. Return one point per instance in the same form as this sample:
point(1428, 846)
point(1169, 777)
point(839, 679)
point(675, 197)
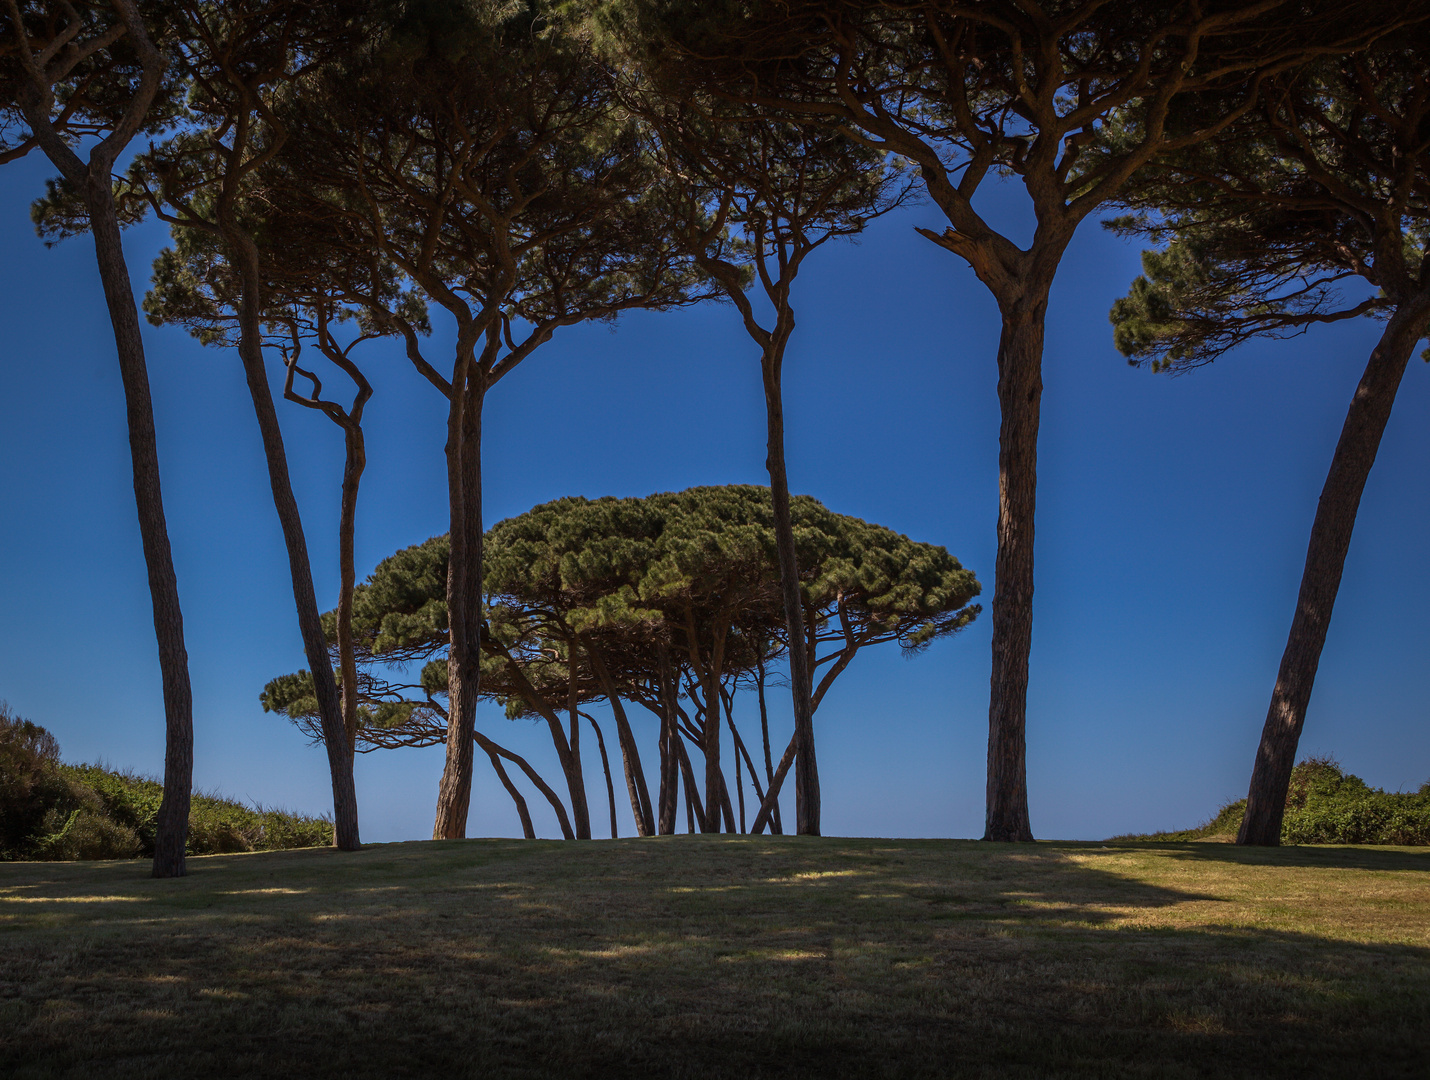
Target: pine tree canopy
point(636, 577)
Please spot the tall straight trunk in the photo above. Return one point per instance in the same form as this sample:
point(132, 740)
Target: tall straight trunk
point(669, 795)
point(775, 826)
point(353, 466)
point(714, 777)
point(1020, 388)
point(1325, 560)
point(315, 646)
point(464, 598)
point(172, 823)
point(575, 773)
point(806, 768)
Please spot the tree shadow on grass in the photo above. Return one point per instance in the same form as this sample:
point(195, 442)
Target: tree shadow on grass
point(684, 957)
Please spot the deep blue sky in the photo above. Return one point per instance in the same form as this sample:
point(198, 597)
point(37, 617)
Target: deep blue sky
point(1172, 523)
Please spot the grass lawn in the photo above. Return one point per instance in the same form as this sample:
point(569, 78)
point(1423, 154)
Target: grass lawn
point(723, 957)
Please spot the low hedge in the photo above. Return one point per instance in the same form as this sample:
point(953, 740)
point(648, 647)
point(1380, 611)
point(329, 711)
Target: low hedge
point(50, 810)
point(1326, 805)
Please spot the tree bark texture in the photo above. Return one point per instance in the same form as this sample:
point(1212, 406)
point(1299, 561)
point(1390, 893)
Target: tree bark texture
point(1020, 388)
point(1321, 579)
point(669, 793)
point(353, 466)
point(806, 768)
point(464, 600)
point(310, 625)
point(571, 763)
point(172, 823)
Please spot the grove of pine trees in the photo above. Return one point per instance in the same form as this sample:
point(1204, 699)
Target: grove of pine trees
point(340, 173)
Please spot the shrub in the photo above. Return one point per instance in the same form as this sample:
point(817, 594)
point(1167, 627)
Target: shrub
point(1326, 805)
point(49, 810)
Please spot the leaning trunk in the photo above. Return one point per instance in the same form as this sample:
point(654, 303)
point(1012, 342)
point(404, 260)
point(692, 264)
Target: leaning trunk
point(315, 646)
point(636, 787)
point(1321, 578)
point(806, 769)
point(464, 599)
point(172, 823)
point(1020, 388)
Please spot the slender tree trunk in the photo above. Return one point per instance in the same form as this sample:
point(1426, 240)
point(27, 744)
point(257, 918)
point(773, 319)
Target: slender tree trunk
point(464, 600)
point(806, 770)
point(775, 827)
point(315, 645)
point(172, 824)
point(740, 789)
point(636, 787)
point(527, 829)
point(710, 747)
point(771, 800)
point(606, 767)
point(1321, 579)
point(532, 775)
point(355, 463)
point(1020, 388)
point(669, 756)
point(575, 774)
point(692, 795)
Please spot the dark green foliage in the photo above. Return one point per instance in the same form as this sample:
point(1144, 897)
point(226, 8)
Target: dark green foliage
point(629, 576)
point(1326, 805)
point(49, 810)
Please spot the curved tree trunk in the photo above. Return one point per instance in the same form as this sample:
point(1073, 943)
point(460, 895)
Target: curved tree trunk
point(636, 788)
point(806, 769)
point(315, 645)
point(1020, 388)
point(464, 601)
point(606, 767)
point(172, 824)
point(1321, 579)
point(532, 775)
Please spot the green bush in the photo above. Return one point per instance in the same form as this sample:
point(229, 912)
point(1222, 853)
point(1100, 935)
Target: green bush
point(1326, 805)
point(49, 810)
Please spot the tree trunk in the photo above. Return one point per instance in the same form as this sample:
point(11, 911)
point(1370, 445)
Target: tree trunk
point(575, 774)
point(771, 800)
point(669, 756)
point(1321, 579)
point(806, 769)
point(356, 461)
point(315, 646)
point(692, 795)
point(636, 787)
point(528, 831)
point(172, 824)
point(606, 767)
point(775, 827)
point(532, 775)
point(1020, 388)
point(464, 599)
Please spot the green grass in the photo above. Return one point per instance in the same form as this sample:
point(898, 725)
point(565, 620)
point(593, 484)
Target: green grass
point(723, 957)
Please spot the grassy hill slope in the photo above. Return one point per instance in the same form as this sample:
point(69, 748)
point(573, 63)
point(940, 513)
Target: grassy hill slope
point(723, 957)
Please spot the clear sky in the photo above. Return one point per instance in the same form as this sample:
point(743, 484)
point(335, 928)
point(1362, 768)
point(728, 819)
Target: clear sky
point(1172, 524)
